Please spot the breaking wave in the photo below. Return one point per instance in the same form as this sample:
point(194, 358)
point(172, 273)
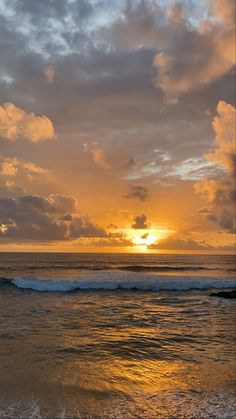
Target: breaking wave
point(114, 281)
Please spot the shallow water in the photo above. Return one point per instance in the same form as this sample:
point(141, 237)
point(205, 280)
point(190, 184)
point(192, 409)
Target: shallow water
point(122, 351)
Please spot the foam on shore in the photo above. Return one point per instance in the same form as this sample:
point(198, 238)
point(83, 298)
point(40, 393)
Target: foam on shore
point(182, 404)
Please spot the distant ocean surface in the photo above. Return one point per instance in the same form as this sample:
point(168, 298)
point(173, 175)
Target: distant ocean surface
point(117, 336)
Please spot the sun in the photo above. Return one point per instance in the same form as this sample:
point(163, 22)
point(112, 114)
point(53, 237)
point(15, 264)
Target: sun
point(144, 241)
point(144, 238)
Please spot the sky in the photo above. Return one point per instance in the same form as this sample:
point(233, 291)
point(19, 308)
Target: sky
point(117, 123)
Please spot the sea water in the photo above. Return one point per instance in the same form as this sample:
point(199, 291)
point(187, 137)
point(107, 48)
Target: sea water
point(116, 336)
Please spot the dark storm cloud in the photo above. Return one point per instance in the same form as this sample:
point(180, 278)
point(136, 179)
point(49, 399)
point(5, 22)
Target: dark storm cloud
point(37, 218)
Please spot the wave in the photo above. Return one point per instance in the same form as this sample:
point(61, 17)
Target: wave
point(143, 268)
point(124, 267)
point(102, 281)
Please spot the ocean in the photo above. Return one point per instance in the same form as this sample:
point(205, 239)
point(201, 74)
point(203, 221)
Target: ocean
point(100, 336)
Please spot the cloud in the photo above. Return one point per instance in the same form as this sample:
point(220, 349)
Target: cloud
point(49, 73)
point(226, 219)
point(101, 53)
point(222, 195)
point(224, 153)
point(39, 218)
point(139, 25)
point(190, 169)
point(140, 222)
point(221, 192)
point(137, 191)
point(192, 57)
point(218, 192)
point(225, 10)
point(11, 166)
point(15, 123)
point(11, 187)
point(97, 155)
point(16, 175)
point(111, 45)
point(82, 227)
point(99, 158)
point(175, 243)
point(19, 177)
point(204, 210)
point(113, 240)
point(33, 168)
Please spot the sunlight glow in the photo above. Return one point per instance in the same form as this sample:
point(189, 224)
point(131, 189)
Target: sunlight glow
point(144, 238)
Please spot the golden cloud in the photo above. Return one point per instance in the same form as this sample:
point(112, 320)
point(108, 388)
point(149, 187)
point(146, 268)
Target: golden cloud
point(15, 123)
point(195, 56)
point(221, 191)
point(224, 127)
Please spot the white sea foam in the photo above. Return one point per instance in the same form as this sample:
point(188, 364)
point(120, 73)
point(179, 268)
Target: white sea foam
point(104, 280)
point(164, 405)
point(176, 404)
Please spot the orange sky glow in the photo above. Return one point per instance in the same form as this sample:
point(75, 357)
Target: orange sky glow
point(117, 127)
